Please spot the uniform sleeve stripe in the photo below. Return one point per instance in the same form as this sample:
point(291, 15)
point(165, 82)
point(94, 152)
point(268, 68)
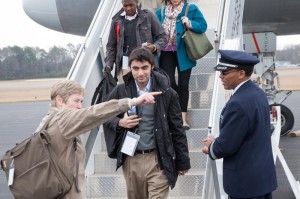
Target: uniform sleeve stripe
point(211, 151)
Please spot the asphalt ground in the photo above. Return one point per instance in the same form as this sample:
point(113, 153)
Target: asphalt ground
point(19, 120)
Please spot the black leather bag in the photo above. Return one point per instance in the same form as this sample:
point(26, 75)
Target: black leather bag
point(101, 94)
point(113, 141)
point(104, 88)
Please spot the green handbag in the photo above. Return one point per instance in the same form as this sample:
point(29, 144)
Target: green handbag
point(197, 44)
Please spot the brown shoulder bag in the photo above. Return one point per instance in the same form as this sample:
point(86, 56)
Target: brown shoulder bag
point(33, 170)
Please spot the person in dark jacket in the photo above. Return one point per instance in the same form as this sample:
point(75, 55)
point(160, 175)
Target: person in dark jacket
point(244, 142)
point(162, 152)
point(132, 27)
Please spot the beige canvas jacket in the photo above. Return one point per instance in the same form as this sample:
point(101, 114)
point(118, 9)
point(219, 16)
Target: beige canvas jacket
point(69, 124)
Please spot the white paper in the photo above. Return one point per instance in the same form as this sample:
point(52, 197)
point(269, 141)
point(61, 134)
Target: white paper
point(130, 143)
point(125, 63)
point(11, 176)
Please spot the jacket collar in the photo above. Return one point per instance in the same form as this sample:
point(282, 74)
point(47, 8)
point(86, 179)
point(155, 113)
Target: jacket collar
point(123, 14)
point(117, 16)
point(52, 110)
point(244, 86)
point(238, 86)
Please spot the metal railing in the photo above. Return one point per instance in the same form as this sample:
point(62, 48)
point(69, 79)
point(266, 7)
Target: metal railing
point(88, 64)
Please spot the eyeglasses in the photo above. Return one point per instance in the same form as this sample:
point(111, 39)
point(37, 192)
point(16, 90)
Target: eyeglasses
point(226, 72)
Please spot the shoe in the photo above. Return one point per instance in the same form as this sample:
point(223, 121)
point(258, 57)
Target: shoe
point(186, 126)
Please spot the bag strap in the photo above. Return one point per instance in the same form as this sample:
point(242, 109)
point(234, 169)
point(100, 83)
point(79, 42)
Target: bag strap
point(47, 122)
point(95, 99)
point(77, 165)
point(186, 13)
point(96, 93)
point(47, 143)
point(56, 163)
point(187, 9)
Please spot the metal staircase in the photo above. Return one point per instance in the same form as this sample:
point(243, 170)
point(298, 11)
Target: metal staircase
point(102, 179)
point(108, 183)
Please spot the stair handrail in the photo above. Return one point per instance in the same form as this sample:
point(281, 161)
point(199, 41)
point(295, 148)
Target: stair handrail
point(212, 188)
point(87, 67)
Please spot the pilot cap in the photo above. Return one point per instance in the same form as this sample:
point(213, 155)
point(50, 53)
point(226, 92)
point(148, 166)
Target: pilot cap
point(234, 59)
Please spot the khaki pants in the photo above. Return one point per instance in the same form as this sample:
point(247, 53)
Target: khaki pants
point(144, 179)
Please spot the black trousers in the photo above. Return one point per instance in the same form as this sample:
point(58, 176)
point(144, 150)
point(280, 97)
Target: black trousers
point(266, 196)
point(169, 62)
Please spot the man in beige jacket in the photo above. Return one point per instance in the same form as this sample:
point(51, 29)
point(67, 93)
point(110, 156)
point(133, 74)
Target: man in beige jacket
point(71, 120)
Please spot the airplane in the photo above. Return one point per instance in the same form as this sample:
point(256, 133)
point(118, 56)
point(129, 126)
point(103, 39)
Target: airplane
point(74, 18)
point(251, 24)
point(268, 17)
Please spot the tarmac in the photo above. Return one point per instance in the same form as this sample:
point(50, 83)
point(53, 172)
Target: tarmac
point(19, 120)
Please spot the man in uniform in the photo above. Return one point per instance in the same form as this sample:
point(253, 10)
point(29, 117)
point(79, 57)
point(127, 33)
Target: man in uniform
point(244, 142)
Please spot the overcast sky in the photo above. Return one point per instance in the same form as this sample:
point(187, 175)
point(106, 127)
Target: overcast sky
point(16, 28)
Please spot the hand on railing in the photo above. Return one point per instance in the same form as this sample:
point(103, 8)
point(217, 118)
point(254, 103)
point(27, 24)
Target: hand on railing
point(207, 141)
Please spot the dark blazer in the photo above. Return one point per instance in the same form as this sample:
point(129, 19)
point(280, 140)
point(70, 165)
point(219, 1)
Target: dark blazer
point(245, 144)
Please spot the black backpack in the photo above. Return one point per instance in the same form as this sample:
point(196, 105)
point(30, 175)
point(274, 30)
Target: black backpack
point(101, 95)
point(104, 88)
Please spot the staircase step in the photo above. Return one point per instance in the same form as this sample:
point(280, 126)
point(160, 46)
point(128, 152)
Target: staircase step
point(105, 165)
point(195, 137)
point(201, 82)
point(189, 185)
point(206, 64)
point(113, 186)
point(106, 186)
point(200, 99)
point(198, 118)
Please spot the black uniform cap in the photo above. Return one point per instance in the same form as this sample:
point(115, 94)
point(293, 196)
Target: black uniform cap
point(234, 59)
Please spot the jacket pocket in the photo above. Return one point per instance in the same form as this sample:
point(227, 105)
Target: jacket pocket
point(229, 166)
point(145, 33)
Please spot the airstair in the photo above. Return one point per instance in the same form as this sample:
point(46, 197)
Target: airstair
point(102, 179)
point(207, 97)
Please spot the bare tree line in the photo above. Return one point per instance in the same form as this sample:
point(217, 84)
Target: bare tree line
point(290, 54)
point(33, 62)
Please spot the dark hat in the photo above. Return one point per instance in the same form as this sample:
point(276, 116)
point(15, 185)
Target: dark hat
point(234, 59)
